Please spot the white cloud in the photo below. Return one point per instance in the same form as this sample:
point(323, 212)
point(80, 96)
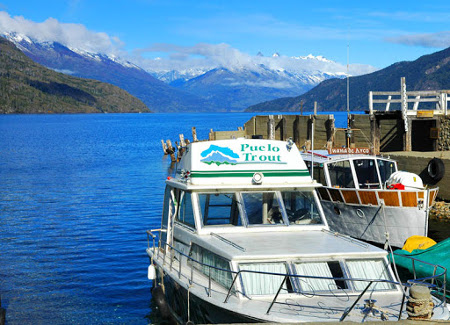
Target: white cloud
point(198, 58)
point(204, 56)
point(70, 35)
point(435, 40)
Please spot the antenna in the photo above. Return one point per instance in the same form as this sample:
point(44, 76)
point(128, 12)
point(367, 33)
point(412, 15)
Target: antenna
point(348, 85)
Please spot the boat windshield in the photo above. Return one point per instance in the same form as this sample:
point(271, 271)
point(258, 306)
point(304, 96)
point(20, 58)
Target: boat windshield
point(341, 174)
point(263, 208)
point(259, 208)
point(386, 168)
point(219, 209)
point(301, 208)
point(366, 172)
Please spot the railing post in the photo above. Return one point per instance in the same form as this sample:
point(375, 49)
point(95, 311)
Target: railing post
point(276, 296)
point(209, 283)
point(371, 102)
point(354, 304)
point(403, 302)
point(231, 286)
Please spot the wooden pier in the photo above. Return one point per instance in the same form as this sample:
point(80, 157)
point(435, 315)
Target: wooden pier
point(413, 127)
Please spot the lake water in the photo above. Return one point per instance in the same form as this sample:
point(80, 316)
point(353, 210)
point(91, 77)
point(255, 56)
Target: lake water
point(77, 193)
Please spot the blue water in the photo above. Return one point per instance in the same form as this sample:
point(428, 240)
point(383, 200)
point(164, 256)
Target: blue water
point(77, 193)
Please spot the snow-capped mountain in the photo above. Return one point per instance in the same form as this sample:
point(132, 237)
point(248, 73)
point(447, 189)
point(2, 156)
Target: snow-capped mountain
point(157, 95)
point(231, 82)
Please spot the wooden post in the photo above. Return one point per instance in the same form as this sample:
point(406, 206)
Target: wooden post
point(375, 134)
point(164, 147)
point(271, 128)
point(171, 151)
point(194, 134)
point(315, 108)
point(445, 101)
point(408, 140)
point(296, 131)
point(284, 128)
point(182, 143)
point(211, 135)
point(370, 102)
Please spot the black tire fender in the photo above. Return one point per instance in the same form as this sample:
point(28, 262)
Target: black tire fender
point(160, 300)
point(436, 169)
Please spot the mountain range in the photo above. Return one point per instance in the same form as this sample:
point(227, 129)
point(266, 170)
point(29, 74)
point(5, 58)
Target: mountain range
point(429, 72)
point(227, 87)
point(28, 87)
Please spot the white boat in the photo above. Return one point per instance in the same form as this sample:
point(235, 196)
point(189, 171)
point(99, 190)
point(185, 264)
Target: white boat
point(243, 239)
point(360, 199)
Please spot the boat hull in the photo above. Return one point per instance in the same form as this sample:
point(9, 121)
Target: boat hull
point(371, 223)
point(200, 310)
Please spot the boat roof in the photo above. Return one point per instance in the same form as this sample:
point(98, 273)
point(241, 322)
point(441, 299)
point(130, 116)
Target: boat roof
point(323, 156)
point(243, 163)
point(286, 245)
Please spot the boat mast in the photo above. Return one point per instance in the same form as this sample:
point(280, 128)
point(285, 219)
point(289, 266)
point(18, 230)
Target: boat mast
point(348, 133)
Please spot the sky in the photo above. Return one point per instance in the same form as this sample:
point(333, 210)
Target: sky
point(376, 33)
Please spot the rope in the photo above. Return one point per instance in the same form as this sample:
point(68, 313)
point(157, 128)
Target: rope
point(188, 304)
point(422, 308)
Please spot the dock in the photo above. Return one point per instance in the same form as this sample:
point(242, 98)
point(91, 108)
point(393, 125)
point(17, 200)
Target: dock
point(412, 127)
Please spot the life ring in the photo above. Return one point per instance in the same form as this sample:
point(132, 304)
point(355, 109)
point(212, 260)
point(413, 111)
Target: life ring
point(436, 169)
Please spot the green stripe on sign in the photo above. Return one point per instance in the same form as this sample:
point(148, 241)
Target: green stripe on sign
point(247, 173)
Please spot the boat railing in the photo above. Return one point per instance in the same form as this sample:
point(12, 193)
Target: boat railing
point(163, 248)
point(439, 274)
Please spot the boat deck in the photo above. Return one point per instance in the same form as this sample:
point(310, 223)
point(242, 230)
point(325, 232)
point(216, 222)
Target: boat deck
point(286, 245)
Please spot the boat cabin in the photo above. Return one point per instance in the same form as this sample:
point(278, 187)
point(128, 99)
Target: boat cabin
point(350, 171)
point(228, 197)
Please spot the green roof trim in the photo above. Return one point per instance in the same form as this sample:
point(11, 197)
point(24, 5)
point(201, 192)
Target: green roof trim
point(250, 173)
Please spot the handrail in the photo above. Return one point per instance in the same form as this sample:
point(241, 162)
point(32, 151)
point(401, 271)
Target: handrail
point(432, 278)
point(236, 274)
point(229, 242)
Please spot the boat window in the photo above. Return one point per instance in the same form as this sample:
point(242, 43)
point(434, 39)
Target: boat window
point(220, 270)
point(366, 172)
point(263, 283)
point(331, 269)
point(186, 214)
point(219, 209)
point(387, 168)
point(369, 269)
point(341, 174)
point(262, 208)
point(301, 208)
point(318, 173)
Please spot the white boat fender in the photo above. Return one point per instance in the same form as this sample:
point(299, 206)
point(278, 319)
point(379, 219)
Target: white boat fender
point(151, 274)
point(436, 169)
point(160, 300)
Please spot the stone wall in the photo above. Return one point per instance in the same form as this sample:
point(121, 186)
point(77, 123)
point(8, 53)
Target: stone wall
point(444, 134)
